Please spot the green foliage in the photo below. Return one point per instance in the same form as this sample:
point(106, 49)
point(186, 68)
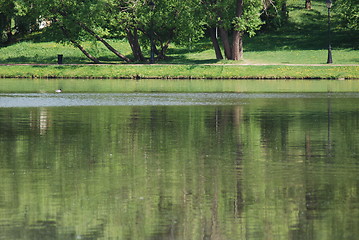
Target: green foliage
point(222, 13)
point(68, 15)
point(250, 21)
point(184, 23)
point(348, 13)
point(17, 18)
point(274, 14)
point(169, 21)
point(7, 11)
point(116, 18)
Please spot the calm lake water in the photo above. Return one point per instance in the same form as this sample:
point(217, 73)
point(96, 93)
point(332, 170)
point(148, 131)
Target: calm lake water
point(179, 166)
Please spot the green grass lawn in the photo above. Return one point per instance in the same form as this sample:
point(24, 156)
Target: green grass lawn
point(181, 71)
point(46, 52)
point(302, 40)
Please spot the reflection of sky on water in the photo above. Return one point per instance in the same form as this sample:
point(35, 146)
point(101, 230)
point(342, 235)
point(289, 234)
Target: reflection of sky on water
point(143, 99)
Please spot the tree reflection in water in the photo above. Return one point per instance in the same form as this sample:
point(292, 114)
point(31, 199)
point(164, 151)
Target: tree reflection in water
point(256, 169)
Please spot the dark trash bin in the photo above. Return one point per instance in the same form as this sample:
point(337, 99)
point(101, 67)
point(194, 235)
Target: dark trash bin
point(59, 58)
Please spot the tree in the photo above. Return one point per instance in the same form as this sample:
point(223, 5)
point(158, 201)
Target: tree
point(211, 18)
point(77, 20)
point(234, 18)
point(64, 27)
point(123, 20)
point(169, 21)
point(172, 21)
point(275, 14)
point(17, 18)
point(216, 46)
point(7, 12)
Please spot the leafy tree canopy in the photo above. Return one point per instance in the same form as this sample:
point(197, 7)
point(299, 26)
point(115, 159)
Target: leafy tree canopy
point(348, 12)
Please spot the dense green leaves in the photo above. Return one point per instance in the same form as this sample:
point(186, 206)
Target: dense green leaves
point(250, 20)
point(169, 21)
point(17, 18)
point(348, 11)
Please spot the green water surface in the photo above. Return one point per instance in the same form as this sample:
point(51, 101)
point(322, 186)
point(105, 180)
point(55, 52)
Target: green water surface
point(184, 85)
point(254, 166)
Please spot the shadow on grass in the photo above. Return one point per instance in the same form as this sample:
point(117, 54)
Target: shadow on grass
point(67, 67)
point(42, 60)
point(185, 60)
point(53, 60)
point(307, 30)
point(310, 32)
point(302, 40)
point(201, 46)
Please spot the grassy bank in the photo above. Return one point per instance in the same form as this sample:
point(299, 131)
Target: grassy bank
point(177, 71)
point(298, 41)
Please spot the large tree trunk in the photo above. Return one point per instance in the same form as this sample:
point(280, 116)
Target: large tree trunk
point(88, 55)
point(162, 53)
point(76, 44)
point(215, 43)
point(308, 4)
point(225, 42)
point(109, 47)
point(237, 44)
point(237, 48)
point(135, 45)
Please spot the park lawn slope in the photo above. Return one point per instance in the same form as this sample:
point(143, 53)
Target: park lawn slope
point(181, 71)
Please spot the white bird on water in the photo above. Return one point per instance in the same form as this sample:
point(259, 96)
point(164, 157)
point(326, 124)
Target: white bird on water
point(58, 90)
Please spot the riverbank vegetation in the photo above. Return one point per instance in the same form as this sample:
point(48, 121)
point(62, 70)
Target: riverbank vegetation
point(179, 71)
point(283, 32)
point(202, 53)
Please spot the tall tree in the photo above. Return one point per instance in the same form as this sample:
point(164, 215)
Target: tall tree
point(237, 45)
point(216, 46)
point(210, 14)
point(163, 22)
point(173, 21)
point(77, 20)
point(234, 19)
point(123, 20)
